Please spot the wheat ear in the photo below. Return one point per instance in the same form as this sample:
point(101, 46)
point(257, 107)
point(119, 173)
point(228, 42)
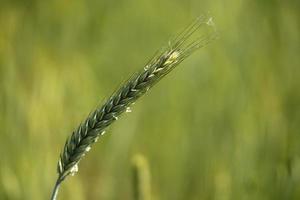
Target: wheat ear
point(88, 132)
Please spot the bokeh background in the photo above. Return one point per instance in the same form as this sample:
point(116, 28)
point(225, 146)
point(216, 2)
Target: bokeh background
point(224, 125)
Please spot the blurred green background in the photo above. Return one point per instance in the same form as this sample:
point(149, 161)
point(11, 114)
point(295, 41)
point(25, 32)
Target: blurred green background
point(224, 125)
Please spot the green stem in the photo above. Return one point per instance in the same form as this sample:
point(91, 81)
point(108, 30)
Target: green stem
point(55, 190)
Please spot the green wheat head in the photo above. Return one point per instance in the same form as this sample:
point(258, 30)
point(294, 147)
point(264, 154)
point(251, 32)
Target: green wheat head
point(88, 132)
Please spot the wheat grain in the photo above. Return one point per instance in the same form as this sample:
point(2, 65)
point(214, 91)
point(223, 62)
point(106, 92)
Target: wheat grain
point(179, 48)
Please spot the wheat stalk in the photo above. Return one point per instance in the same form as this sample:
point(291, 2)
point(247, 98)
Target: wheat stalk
point(141, 178)
point(88, 132)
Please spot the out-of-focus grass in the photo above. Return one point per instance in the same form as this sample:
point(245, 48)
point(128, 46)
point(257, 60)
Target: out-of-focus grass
point(224, 125)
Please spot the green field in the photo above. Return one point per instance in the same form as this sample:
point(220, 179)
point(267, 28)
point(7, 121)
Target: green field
point(224, 125)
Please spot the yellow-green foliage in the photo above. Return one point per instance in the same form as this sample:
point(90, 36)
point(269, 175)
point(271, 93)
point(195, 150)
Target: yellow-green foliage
point(224, 126)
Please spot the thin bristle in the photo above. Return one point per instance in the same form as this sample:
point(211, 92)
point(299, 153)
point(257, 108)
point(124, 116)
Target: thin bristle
point(182, 38)
point(198, 34)
point(188, 31)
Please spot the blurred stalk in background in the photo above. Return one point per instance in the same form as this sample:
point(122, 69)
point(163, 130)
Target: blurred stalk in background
point(141, 178)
